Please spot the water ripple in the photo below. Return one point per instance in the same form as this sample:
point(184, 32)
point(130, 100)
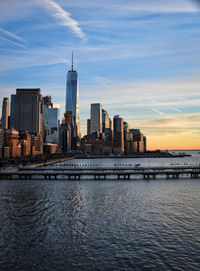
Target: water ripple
point(99, 225)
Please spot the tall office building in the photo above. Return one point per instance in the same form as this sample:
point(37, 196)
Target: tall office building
point(53, 119)
point(118, 129)
point(72, 100)
point(12, 111)
point(126, 136)
point(1, 140)
point(96, 118)
point(5, 113)
point(88, 127)
point(46, 103)
point(28, 110)
point(65, 137)
point(105, 120)
point(138, 140)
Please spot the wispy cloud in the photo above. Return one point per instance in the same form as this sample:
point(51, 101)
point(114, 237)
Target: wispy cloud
point(102, 80)
point(63, 16)
point(13, 42)
point(155, 6)
point(176, 109)
point(11, 35)
point(157, 111)
point(160, 6)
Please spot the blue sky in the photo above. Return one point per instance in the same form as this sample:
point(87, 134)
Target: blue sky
point(139, 58)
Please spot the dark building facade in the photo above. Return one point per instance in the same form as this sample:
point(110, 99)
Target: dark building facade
point(118, 131)
point(28, 110)
point(12, 111)
point(65, 137)
point(5, 113)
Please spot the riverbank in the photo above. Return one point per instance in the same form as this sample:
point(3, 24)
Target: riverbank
point(35, 161)
point(49, 163)
point(136, 155)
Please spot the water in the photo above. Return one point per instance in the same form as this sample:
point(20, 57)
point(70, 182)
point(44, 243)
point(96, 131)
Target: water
point(100, 225)
point(146, 162)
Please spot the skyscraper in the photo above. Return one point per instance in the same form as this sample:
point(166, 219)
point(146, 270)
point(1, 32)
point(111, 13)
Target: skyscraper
point(105, 120)
point(46, 103)
point(96, 118)
point(28, 110)
point(65, 137)
point(72, 100)
point(53, 119)
point(118, 127)
point(5, 113)
point(1, 140)
point(88, 127)
point(12, 111)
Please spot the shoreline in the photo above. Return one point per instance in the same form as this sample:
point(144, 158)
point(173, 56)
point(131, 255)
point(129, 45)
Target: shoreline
point(134, 156)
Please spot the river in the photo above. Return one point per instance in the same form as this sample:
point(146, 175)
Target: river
point(101, 225)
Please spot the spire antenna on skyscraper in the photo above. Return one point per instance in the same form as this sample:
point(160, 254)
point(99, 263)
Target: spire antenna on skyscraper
point(72, 61)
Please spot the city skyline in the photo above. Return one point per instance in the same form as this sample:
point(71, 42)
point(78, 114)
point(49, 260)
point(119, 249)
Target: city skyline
point(141, 61)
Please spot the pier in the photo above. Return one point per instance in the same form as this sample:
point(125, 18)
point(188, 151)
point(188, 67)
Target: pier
point(102, 173)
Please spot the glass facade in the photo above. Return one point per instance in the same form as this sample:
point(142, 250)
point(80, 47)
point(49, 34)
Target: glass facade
point(72, 99)
point(53, 119)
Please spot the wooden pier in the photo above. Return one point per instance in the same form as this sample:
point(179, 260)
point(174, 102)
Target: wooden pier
point(110, 173)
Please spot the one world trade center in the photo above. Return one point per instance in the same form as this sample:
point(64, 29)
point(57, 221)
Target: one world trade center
point(72, 101)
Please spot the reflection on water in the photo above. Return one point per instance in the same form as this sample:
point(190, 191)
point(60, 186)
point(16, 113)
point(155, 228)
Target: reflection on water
point(100, 225)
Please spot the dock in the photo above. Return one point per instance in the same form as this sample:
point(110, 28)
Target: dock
point(102, 173)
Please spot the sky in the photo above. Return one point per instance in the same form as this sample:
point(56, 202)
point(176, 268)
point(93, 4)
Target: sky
point(139, 58)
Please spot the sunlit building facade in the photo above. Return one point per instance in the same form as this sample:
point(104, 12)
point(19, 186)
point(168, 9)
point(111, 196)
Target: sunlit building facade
point(72, 100)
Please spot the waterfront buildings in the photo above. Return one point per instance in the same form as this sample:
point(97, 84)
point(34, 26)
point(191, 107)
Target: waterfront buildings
point(53, 124)
point(46, 103)
point(12, 146)
point(105, 120)
point(118, 133)
point(35, 120)
point(139, 140)
point(1, 140)
point(65, 137)
point(25, 140)
point(88, 127)
point(12, 111)
point(5, 113)
point(37, 144)
point(53, 119)
point(28, 110)
point(72, 102)
point(96, 118)
point(118, 141)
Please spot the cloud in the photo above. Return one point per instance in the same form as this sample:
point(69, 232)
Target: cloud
point(183, 121)
point(160, 6)
point(155, 6)
point(102, 80)
point(11, 35)
point(11, 9)
point(176, 109)
point(157, 111)
point(63, 17)
point(13, 42)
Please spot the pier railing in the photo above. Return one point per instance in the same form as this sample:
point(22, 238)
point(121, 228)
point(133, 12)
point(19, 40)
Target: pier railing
point(105, 173)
